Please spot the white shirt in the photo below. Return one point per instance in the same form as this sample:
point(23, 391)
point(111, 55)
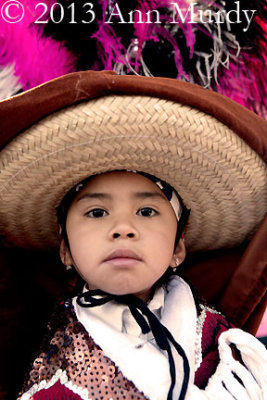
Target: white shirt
point(140, 360)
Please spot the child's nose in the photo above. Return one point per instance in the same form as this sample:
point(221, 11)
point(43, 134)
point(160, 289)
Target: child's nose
point(117, 235)
point(123, 230)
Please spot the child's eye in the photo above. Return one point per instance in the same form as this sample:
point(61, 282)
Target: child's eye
point(96, 213)
point(147, 212)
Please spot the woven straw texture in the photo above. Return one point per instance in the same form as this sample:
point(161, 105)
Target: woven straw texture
point(220, 178)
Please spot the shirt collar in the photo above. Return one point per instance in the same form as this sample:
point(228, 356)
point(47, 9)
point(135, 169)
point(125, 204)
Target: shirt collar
point(119, 317)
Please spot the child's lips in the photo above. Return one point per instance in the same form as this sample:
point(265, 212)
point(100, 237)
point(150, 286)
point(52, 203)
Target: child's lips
point(122, 257)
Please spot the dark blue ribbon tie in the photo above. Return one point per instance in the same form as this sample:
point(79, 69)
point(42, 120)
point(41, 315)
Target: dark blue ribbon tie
point(162, 335)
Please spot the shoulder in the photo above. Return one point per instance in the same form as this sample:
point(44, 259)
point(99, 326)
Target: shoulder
point(63, 334)
point(214, 325)
point(234, 365)
point(72, 366)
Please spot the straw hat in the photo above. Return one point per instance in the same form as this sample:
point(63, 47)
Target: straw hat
point(206, 146)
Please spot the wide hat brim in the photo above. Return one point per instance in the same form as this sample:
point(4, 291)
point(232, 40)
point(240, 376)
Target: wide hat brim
point(206, 146)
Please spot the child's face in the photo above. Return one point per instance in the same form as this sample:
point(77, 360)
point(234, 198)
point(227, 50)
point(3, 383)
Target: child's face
point(121, 232)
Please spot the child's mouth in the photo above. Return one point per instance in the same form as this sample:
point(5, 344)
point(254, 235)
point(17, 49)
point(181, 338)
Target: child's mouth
point(122, 257)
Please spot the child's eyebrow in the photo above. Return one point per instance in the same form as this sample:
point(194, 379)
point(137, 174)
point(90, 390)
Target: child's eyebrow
point(144, 195)
point(138, 195)
point(95, 196)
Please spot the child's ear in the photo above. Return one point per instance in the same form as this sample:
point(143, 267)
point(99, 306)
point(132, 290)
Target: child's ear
point(179, 254)
point(65, 254)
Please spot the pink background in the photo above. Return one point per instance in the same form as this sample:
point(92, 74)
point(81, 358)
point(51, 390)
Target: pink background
point(262, 331)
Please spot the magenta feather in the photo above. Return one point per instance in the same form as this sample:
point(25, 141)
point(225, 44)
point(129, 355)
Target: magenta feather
point(36, 59)
point(246, 81)
point(110, 48)
point(109, 45)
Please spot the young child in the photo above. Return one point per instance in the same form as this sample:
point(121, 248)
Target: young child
point(123, 170)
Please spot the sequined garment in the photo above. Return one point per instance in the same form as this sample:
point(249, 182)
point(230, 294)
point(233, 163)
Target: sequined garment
point(71, 365)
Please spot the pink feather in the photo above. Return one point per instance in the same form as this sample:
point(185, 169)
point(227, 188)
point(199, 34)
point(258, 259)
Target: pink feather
point(110, 48)
point(246, 82)
point(23, 45)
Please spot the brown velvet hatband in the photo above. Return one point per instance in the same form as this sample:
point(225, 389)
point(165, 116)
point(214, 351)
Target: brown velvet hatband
point(205, 145)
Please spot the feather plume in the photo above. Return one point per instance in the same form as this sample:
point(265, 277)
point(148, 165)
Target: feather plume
point(219, 56)
point(36, 59)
